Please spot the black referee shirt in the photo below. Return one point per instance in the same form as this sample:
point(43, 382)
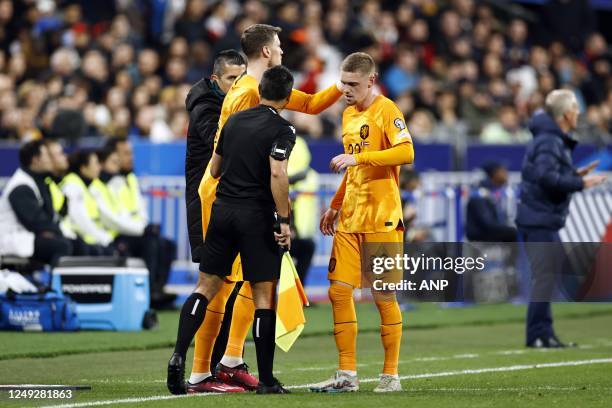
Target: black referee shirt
point(245, 144)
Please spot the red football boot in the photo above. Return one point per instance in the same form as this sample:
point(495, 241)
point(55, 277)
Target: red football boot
point(211, 384)
point(238, 375)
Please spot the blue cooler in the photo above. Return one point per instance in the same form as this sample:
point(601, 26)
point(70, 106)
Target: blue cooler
point(111, 293)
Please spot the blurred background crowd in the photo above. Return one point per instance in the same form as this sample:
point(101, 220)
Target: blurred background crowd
point(462, 71)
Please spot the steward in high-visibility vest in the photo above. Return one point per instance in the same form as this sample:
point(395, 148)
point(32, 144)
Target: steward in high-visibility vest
point(60, 206)
point(124, 186)
point(59, 168)
point(83, 211)
point(129, 218)
point(57, 196)
point(115, 215)
point(304, 187)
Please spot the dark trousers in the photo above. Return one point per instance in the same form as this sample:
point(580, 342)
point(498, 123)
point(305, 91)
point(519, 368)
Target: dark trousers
point(543, 265)
point(302, 250)
point(80, 248)
point(50, 249)
point(157, 253)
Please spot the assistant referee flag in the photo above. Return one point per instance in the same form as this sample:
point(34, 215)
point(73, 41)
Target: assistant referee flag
point(290, 318)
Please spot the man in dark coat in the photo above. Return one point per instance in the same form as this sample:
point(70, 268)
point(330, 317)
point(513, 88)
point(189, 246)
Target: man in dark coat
point(204, 106)
point(204, 103)
point(548, 181)
point(486, 219)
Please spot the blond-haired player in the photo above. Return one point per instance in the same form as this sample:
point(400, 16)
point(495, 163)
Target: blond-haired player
point(366, 208)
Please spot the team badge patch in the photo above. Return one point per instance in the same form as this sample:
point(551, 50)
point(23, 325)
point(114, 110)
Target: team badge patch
point(332, 265)
point(399, 123)
point(364, 131)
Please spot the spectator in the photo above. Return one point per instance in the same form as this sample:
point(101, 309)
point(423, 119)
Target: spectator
point(569, 21)
point(518, 49)
point(403, 75)
point(71, 54)
point(29, 224)
point(506, 130)
point(421, 126)
point(189, 25)
point(450, 128)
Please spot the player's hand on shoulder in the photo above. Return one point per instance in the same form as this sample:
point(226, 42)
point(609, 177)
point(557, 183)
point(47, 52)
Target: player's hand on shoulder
point(341, 162)
point(328, 222)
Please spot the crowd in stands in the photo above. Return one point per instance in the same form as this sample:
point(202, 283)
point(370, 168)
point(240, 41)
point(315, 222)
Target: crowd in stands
point(461, 70)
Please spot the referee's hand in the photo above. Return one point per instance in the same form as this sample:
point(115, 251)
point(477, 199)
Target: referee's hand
point(283, 238)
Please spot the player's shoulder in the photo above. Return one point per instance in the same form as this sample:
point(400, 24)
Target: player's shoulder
point(385, 105)
point(244, 85)
point(238, 92)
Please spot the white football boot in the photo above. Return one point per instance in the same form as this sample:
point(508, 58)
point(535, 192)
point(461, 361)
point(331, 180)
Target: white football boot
point(340, 382)
point(388, 383)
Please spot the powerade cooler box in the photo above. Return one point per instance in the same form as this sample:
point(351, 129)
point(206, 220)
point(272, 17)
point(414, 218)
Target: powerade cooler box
point(111, 293)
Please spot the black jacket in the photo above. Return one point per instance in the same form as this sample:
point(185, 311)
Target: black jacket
point(34, 217)
point(548, 176)
point(483, 221)
point(204, 106)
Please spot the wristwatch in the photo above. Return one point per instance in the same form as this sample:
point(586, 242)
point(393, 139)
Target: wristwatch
point(283, 220)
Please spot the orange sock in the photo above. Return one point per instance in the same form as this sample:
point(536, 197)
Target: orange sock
point(345, 325)
point(242, 318)
point(208, 331)
point(390, 333)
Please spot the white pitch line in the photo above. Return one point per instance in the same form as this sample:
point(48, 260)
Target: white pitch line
point(424, 359)
point(469, 355)
point(485, 370)
point(334, 367)
point(509, 389)
point(128, 400)
point(510, 352)
point(321, 368)
point(365, 380)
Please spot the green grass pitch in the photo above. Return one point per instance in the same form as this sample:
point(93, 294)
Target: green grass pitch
point(467, 357)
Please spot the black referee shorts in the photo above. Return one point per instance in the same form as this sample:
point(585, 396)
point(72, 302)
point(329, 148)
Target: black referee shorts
point(249, 232)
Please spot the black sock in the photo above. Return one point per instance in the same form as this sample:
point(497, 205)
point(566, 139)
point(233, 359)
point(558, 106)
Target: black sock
point(192, 316)
point(264, 329)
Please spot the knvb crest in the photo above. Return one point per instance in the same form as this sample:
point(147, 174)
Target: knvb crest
point(364, 131)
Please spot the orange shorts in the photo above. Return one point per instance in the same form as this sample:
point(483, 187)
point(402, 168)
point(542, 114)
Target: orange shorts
point(346, 263)
point(208, 192)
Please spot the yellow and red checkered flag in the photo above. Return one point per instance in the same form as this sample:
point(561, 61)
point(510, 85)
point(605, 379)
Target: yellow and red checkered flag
point(290, 318)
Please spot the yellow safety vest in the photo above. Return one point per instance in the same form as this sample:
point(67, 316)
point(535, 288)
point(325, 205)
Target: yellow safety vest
point(58, 199)
point(129, 196)
point(109, 199)
point(57, 195)
point(90, 205)
point(306, 204)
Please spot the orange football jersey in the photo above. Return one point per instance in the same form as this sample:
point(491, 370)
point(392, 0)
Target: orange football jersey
point(372, 199)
